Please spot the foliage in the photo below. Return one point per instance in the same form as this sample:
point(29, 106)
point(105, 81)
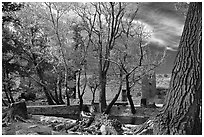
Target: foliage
point(11, 48)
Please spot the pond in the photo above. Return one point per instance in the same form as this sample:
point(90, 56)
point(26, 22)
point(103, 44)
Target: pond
point(122, 119)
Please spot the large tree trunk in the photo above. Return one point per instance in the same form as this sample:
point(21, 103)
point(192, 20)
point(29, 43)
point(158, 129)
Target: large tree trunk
point(181, 113)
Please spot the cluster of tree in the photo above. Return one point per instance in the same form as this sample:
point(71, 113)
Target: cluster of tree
point(49, 43)
point(33, 51)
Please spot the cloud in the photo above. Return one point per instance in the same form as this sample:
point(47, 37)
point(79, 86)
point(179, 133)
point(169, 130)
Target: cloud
point(166, 22)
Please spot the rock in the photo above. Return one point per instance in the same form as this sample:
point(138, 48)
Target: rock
point(25, 132)
point(59, 133)
point(60, 127)
point(73, 133)
point(117, 126)
point(42, 130)
point(132, 126)
point(108, 130)
point(103, 130)
point(128, 133)
point(33, 126)
point(34, 133)
point(147, 132)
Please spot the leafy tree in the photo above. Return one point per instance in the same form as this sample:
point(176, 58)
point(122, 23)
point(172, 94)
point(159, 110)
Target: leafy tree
point(54, 31)
point(11, 47)
point(35, 51)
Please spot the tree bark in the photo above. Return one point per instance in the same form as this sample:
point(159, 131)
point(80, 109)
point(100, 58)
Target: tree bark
point(181, 113)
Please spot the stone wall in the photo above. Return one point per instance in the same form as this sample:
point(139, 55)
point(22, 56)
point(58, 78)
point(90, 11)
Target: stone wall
point(53, 110)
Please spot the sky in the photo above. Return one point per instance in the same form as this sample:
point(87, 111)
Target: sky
point(167, 25)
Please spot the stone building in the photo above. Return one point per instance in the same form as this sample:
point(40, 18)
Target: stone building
point(148, 90)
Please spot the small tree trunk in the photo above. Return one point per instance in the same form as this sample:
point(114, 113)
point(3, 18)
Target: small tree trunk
point(102, 94)
point(60, 90)
point(67, 95)
point(49, 97)
point(93, 96)
point(79, 91)
point(116, 96)
point(80, 103)
point(113, 101)
point(60, 95)
point(129, 96)
point(66, 85)
point(56, 96)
